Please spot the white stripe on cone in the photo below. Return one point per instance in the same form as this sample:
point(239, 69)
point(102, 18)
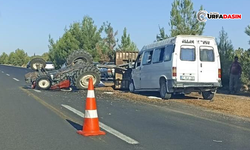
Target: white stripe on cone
point(90, 114)
point(91, 94)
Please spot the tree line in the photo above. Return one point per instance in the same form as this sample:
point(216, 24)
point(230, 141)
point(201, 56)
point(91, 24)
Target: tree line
point(86, 35)
point(16, 58)
point(19, 58)
point(102, 43)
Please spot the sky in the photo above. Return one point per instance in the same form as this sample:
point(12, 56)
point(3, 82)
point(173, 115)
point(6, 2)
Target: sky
point(27, 24)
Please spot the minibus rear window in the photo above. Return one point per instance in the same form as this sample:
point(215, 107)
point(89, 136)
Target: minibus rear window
point(206, 54)
point(187, 54)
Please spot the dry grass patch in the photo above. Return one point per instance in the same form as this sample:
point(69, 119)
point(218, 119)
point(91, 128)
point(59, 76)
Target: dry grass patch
point(230, 104)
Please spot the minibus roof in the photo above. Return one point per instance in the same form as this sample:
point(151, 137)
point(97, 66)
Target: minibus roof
point(172, 41)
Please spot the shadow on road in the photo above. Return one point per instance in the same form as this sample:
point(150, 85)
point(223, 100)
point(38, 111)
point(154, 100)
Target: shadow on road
point(26, 87)
point(174, 96)
point(75, 125)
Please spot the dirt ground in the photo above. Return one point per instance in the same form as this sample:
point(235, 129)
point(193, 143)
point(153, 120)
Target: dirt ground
point(238, 105)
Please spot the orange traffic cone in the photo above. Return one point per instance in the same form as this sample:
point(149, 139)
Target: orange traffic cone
point(91, 121)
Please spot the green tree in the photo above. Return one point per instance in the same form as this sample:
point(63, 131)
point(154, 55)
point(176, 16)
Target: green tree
point(18, 58)
point(91, 35)
point(162, 35)
point(183, 19)
point(225, 46)
point(247, 31)
point(80, 35)
point(245, 64)
point(21, 57)
point(106, 47)
point(59, 51)
point(126, 43)
point(244, 59)
point(4, 58)
point(226, 52)
point(45, 56)
point(12, 58)
point(87, 34)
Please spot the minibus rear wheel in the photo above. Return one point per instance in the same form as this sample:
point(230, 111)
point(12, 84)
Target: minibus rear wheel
point(163, 90)
point(207, 95)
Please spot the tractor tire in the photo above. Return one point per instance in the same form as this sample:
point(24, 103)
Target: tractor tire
point(82, 76)
point(79, 56)
point(43, 82)
point(37, 61)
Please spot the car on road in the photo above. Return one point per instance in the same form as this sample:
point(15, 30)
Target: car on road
point(181, 64)
point(49, 65)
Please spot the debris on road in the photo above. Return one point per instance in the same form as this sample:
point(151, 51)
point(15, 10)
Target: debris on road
point(154, 97)
point(108, 92)
point(101, 84)
point(67, 90)
point(217, 141)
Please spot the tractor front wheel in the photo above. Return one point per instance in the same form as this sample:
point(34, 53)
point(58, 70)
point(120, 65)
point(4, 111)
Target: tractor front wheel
point(43, 82)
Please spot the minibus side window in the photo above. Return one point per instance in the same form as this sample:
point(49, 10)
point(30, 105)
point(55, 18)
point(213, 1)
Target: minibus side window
point(158, 55)
point(188, 53)
point(138, 61)
point(147, 57)
point(168, 52)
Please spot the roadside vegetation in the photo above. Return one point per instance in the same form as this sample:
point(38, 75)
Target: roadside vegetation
point(226, 104)
point(102, 42)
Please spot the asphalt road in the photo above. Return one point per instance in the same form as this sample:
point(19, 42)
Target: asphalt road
point(33, 119)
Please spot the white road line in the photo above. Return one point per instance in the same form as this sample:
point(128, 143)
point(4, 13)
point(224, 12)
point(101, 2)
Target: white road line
point(15, 79)
point(38, 91)
point(2, 72)
point(105, 127)
point(7, 75)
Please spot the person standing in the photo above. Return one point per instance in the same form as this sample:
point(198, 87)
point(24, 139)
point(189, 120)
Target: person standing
point(235, 74)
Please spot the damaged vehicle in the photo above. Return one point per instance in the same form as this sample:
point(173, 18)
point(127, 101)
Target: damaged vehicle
point(76, 73)
point(181, 64)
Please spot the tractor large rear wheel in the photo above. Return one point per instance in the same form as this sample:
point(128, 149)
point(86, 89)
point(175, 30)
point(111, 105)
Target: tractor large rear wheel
point(37, 62)
point(81, 78)
point(79, 56)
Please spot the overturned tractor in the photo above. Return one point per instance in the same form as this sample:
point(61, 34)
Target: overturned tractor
point(77, 71)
